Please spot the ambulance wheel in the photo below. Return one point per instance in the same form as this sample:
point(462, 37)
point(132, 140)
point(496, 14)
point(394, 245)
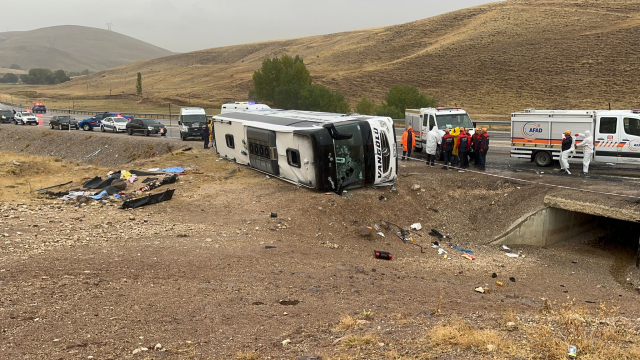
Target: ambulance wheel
point(543, 158)
point(417, 149)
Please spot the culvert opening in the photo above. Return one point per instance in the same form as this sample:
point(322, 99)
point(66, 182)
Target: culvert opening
point(553, 225)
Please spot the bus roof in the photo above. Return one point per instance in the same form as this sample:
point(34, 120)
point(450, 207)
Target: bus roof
point(291, 118)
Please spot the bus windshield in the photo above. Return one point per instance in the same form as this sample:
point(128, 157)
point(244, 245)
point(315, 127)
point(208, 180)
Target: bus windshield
point(453, 121)
point(350, 165)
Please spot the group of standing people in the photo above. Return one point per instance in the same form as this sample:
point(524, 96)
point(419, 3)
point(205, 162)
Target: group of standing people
point(456, 146)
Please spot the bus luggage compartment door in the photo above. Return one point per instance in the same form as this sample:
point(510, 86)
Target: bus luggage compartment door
point(263, 153)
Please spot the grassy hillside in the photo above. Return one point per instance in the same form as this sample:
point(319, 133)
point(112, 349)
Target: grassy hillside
point(73, 48)
point(491, 59)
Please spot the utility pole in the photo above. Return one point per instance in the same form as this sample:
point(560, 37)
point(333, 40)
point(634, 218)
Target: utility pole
point(109, 26)
point(169, 114)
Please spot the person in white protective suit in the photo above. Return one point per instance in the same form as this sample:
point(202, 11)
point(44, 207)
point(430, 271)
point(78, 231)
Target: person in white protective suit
point(568, 147)
point(587, 144)
point(433, 140)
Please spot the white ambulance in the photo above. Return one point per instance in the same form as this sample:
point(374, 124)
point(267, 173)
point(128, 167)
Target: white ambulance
point(423, 120)
point(536, 135)
point(321, 151)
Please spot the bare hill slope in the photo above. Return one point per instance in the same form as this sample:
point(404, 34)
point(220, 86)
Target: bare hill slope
point(491, 59)
point(73, 48)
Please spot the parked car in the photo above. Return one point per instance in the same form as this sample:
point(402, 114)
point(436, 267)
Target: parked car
point(63, 122)
point(24, 118)
point(115, 124)
point(96, 120)
point(39, 108)
point(146, 126)
point(6, 116)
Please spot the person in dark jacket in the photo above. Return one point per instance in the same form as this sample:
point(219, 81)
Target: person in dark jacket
point(448, 143)
point(475, 145)
point(568, 147)
point(205, 135)
point(464, 144)
point(483, 148)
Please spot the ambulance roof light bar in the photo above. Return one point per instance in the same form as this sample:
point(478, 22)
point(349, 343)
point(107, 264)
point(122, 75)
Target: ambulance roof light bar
point(636, 111)
point(447, 108)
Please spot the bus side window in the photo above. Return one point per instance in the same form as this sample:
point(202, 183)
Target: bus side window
point(608, 125)
point(229, 140)
point(293, 157)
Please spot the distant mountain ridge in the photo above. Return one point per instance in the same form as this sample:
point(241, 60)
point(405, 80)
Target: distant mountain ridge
point(73, 48)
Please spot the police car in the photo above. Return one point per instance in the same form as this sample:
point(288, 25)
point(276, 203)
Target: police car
point(24, 118)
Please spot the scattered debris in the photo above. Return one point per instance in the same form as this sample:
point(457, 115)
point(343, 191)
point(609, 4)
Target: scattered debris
point(573, 351)
point(415, 187)
point(94, 153)
point(512, 279)
point(505, 248)
point(499, 283)
point(494, 275)
point(416, 226)
point(511, 326)
point(381, 234)
point(274, 215)
point(175, 169)
point(442, 251)
point(467, 256)
point(384, 255)
point(436, 233)
point(54, 186)
point(269, 247)
point(512, 255)
point(148, 200)
point(461, 249)
point(289, 302)
point(382, 198)
point(480, 290)
point(286, 342)
point(139, 350)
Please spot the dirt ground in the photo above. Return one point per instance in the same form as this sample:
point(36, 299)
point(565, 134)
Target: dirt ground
point(211, 275)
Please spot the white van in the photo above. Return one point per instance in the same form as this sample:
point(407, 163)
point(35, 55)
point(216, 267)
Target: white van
point(241, 106)
point(192, 121)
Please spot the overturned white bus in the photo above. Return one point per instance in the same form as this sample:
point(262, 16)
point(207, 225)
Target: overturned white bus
point(321, 151)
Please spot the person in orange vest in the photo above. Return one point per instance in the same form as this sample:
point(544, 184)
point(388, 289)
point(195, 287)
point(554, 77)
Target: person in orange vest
point(408, 142)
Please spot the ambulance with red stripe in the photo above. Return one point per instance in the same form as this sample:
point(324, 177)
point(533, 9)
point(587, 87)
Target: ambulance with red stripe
point(537, 135)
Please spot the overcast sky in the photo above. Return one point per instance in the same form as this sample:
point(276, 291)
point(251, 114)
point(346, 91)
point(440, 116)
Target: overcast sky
point(187, 25)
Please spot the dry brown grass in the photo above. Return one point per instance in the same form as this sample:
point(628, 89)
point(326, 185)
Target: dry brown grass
point(359, 342)
point(597, 335)
point(347, 322)
point(247, 356)
point(491, 59)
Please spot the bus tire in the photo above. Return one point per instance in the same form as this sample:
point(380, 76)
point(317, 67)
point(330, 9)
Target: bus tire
point(543, 158)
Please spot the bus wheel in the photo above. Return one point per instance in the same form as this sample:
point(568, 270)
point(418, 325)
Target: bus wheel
point(543, 158)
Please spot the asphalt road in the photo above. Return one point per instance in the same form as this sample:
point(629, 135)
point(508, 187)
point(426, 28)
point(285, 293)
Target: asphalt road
point(498, 156)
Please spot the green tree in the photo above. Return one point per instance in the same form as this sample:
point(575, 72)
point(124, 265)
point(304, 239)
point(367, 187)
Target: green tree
point(385, 109)
point(366, 106)
point(60, 76)
point(280, 80)
point(15, 67)
point(139, 84)
point(9, 78)
point(317, 97)
point(402, 97)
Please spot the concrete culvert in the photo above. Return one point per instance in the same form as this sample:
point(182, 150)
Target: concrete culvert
point(563, 220)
